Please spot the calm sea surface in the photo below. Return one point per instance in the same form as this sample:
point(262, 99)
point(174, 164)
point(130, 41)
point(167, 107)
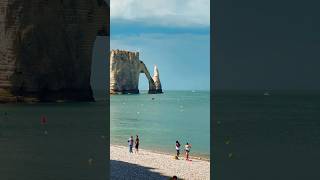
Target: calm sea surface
point(257, 136)
point(161, 119)
point(75, 132)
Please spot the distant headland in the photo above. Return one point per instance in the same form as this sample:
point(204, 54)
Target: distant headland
point(125, 69)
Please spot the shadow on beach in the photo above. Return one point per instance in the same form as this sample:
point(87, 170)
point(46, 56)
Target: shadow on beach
point(125, 170)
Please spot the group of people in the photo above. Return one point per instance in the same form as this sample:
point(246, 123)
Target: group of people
point(131, 142)
point(136, 142)
point(187, 148)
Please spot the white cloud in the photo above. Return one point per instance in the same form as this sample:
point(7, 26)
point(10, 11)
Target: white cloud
point(162, 12)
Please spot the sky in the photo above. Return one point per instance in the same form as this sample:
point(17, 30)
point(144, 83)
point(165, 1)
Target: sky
point(266, 45)
point(172, 34)
point(258, 45)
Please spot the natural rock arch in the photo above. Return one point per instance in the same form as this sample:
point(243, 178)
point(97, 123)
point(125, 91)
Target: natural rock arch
point(125, 69)
point(46, 48)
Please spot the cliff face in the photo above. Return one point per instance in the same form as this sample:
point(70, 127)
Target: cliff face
point(46, 48)
point(156, 80)
point(125, 69)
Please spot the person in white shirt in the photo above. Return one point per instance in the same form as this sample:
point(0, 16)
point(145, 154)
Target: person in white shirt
point(130, 143)
point(187, 148)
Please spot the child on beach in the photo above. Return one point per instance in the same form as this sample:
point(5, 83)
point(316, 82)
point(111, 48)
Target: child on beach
point(137, 144)
point(187, 148)
point(178, 148)
point(130, 142)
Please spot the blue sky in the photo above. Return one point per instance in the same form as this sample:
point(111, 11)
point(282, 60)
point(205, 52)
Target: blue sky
point(173, 34)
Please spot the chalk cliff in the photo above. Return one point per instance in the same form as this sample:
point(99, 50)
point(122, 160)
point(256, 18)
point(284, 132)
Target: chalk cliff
point(156, 80)
point(46, 48)
point(125, 69)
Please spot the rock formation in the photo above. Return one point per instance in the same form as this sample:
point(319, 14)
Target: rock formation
point(156, 80)
point(125, 69)
point(46, 48)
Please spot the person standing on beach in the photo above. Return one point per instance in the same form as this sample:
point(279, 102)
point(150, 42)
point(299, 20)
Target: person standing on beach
point(187, 148)
point(178, 148)
point(137, 143)
point(130, 141)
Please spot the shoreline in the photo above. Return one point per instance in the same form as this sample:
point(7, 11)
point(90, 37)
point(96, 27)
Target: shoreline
point(197, 157)
point(155, 165)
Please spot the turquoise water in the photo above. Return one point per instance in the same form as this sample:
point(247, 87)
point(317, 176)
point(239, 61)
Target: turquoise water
point(76, 132)
point(174, 115)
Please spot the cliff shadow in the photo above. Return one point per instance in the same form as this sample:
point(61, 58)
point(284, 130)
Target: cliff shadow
point(99, 78)
point(125, 170)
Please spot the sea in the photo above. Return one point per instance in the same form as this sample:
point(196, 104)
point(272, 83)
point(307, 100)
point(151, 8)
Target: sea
point(74, 133)
point(255, 135)
point(265, 134)
point(161, 119)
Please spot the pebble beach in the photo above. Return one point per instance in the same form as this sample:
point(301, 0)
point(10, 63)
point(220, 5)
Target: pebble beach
point(152, 165)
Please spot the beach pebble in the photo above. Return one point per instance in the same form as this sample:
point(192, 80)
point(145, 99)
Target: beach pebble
point(124, 165)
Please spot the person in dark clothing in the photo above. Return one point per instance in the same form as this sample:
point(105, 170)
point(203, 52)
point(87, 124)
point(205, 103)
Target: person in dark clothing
point(178, 148)
point(137, 144)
